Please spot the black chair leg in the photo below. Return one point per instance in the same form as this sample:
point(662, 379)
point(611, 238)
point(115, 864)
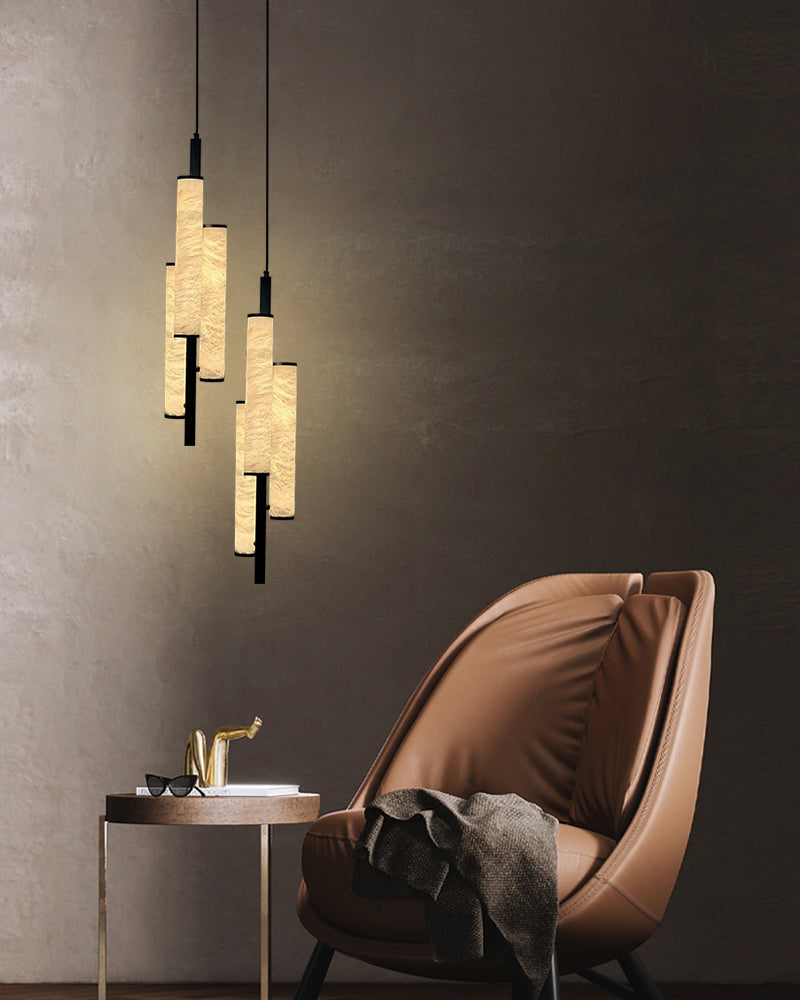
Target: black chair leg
point(639, 987)
point(551, 990)
point(639, 977)
point(315, 972)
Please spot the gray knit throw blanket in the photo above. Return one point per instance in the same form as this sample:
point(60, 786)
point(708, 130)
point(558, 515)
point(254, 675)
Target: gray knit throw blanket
point(485, 867)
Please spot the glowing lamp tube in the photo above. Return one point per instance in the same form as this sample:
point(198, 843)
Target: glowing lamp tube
point(189, 257)
point(284, 435)
point(245, 504)
point(258, 408)
point(175, 357)
point(211, 363)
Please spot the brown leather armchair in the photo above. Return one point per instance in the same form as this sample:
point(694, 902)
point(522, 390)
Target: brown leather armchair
point(584, 693)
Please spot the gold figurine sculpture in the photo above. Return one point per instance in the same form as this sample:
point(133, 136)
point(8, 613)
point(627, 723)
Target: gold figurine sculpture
point(212, 768)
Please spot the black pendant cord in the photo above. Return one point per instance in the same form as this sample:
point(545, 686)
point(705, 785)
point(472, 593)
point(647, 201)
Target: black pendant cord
point(196, 67)
point(194, 146)
point(266, 280)
point(266, 143)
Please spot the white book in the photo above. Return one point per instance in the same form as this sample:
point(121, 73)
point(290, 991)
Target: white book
point(261, 790)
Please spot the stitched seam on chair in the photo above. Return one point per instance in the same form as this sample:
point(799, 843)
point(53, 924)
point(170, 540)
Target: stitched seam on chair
point(589, 709)
point(591, 889)
point(632, 900)
point(582, 854)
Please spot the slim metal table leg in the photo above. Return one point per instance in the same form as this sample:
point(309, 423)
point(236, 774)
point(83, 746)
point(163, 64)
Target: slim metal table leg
point(102, 881)
point(266, 843)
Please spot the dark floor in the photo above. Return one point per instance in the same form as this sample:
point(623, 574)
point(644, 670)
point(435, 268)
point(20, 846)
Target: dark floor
point(366, 991)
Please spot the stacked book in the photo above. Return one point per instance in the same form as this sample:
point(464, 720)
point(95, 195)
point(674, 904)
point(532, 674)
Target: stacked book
point(236, 790)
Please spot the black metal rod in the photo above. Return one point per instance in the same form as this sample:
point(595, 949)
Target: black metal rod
point(194, 157)
point(638, 976)
point(265, 302)
point(315, 972)
point(262, 491)
point(196, 67)
point(190, 407)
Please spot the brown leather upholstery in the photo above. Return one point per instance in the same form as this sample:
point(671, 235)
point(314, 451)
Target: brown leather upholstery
point(625, 712)
point(516, 693)
point(328, 867)
point(580, 693)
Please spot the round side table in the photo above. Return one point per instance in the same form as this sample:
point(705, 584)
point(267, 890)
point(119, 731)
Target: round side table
point(194, 810)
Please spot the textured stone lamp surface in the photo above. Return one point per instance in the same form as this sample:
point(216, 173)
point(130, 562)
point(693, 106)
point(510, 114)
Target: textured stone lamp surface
point(189, 257)
point(284, 432)
point(175, 356)
point(211, 356)
point(258, 399)
point(245, 499)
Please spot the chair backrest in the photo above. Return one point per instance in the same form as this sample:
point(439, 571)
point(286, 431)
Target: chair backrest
point(556, 693)
point(541, 591)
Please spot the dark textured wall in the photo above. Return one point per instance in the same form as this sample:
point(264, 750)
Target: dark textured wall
point(536, 262)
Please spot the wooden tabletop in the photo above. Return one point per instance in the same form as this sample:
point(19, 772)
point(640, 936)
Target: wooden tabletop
point(218, 810)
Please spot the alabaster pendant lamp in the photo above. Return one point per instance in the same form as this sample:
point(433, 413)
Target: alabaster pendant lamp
point(195, 289)
point(266, 419)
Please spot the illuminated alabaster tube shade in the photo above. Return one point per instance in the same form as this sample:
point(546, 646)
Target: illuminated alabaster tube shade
point(258, 407)
point(245, 505)
point(189, 257)
point(211, 363)
point(175, 357)
point(284, 433)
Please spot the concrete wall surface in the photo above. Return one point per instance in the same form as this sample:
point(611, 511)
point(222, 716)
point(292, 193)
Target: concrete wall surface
point(534, 261)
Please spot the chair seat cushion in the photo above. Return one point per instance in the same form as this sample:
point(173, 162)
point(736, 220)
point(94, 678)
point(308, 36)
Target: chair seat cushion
point(328, 870)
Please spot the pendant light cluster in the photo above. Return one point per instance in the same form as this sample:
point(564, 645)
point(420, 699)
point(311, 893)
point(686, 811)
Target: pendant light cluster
point(196, 287)
point(195, 340)
point(267, 418)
